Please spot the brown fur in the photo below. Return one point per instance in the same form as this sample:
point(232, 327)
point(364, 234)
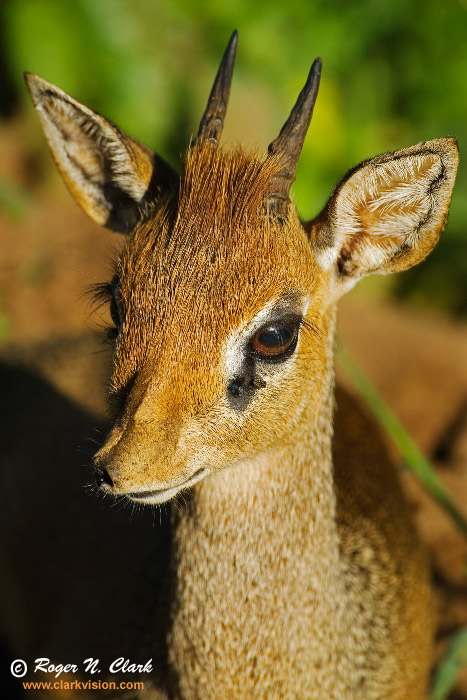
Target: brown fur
point(289, 576)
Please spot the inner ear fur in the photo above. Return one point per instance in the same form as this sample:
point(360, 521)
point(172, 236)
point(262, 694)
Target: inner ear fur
point(388, 213)
point(110, 174)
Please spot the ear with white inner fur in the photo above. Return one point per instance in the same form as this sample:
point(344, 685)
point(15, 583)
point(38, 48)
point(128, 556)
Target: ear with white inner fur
point(110, 174)
point(387, 213)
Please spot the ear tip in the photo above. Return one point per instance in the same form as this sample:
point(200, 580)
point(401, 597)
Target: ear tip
point(36, 85)
point(452, 143)
point(448, 141)
point(33, 86)
point(30, 79)
point(450, 153)
point(446, 146)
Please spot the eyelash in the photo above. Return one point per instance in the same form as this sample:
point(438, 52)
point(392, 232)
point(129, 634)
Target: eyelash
point(103, 294)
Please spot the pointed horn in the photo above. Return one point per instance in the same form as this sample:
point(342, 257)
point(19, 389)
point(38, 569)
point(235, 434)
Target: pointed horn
point(289, 144)
point(212, 122)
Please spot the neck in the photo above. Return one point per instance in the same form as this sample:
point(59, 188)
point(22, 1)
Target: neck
point(256, 547)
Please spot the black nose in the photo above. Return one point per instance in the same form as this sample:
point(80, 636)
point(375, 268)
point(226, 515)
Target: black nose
point(102, 476)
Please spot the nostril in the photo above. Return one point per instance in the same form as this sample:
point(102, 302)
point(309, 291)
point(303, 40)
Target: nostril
point(102, 476)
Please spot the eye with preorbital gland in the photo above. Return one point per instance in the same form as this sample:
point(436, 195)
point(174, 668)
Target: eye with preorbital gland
point(273, 343)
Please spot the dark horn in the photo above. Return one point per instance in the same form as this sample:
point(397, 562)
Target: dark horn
point(289, 144)
point(212, 122)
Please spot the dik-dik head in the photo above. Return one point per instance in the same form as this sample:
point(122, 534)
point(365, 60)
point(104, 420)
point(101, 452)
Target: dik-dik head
point(223, 298)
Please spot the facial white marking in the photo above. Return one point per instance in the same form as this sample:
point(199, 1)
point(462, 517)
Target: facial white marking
point(237, 342)
point(156, 497)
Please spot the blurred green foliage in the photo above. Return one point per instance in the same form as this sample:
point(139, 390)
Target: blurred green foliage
point(394, 74)
point(13, 199)
point(450, 666)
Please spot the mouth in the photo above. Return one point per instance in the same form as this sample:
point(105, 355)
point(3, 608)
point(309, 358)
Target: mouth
point(157, 496)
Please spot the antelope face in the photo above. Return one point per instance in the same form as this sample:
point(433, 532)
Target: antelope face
point(222, 298)
point(220, 324)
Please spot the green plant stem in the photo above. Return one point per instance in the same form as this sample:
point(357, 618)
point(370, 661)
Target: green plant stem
point(411, 454)
point(450, 666)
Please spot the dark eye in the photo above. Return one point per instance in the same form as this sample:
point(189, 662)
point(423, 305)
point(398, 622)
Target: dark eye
point(114, 292)
point(114, 312)
point(276, 341)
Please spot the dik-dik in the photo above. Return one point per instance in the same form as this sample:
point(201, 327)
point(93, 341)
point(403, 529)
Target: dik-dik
point(294, 570)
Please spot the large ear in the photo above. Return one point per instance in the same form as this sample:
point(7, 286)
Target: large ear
point(387, 213)
point(110, 174)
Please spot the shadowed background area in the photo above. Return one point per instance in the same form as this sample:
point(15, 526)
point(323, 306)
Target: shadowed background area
point(393, 75)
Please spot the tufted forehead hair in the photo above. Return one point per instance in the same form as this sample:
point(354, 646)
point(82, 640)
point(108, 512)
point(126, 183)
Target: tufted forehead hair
point(207, 250)
point(217, 216)
point(218, 205)
point(223, 189)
